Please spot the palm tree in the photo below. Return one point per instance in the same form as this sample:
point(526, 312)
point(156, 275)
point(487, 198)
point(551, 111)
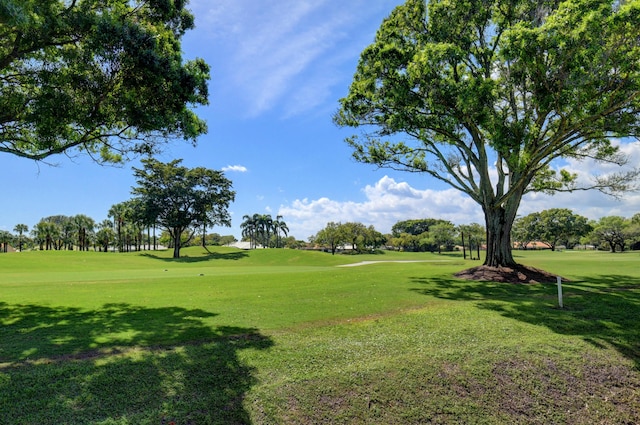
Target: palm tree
point(105, 235)
point(37, 233)
point(248, 227)
point(60, 233)
point(47, 234)
point(84, 226)
point(68, 234)
point(20, 228)
point(118, 213)
point(265, 225)
point(5, 239)
point(280, 226)
point(135, 217)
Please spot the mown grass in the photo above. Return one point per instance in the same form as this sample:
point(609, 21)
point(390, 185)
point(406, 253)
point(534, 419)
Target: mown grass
point(281, 336)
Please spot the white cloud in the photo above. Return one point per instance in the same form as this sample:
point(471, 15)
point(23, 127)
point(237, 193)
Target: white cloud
point(591, 204)
point(235, 168)
point(387, 202)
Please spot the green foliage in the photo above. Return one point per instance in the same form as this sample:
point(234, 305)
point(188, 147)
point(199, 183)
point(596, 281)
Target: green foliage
point(443, 235)
point(451, 88)
point(355, 237)
point(105, 236)
point(5, 239)
point(63, 232)
point(552, 227)
point(264, 230)
point(428, 234)
point(215, 239)
point(614, 232)
point(415, 227)
point(178, 198)
point(330, 236)
point(105, 77)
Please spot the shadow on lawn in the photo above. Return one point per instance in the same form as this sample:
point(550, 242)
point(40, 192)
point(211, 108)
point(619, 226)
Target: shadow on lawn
point(604, 310)
point(122, 363)
point(204, 257)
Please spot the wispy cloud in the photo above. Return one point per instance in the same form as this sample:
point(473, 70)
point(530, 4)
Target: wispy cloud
point(286, 54)
point(235, 168)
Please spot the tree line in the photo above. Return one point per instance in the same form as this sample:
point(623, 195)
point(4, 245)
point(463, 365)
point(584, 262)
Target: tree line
point(560, 227)
point(174, 198)
point(418, 235)
point(553, 228)
point(83, 233)
point(125, 231)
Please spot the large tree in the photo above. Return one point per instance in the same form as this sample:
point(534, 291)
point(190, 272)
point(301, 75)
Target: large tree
point(490, 97)
point(182, 198)
point(614, 231)
point(104, 77)
point(443, 235)
point(551, 227)
point(332, 236)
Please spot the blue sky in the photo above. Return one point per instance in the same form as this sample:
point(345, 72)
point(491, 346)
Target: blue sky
point(278, 70)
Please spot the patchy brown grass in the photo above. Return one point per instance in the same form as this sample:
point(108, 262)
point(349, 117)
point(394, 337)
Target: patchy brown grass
point(513, 391)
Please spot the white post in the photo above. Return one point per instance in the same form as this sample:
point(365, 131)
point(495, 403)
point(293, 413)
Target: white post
point(559, 282)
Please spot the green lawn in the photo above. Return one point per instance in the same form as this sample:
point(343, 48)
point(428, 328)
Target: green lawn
point(285, 336)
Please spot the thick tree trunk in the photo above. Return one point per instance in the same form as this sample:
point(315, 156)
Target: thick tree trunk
point(499, 223)
point(177, 235)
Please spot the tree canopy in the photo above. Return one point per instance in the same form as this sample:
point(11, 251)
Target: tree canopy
point(490, 97)
point(180, 198)
point(103, 77)
point(551, 227)
point(262, 229)
point(354, 236)
point(331, 236)
point(416, 226)
point(614, 232)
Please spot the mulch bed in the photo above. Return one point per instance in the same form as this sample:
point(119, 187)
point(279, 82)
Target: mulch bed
point(517, 274)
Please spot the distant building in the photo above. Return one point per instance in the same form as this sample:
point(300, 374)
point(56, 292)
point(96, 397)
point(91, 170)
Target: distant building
point(7, 248)
point(532, 245)
point(243, 245)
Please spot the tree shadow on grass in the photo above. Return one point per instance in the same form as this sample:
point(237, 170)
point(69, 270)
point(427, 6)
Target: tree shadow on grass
point(236, 255)
point(603, 310)
point(122, 364)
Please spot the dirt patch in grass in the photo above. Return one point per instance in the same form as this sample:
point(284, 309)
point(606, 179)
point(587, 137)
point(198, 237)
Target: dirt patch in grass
point(519, 274)
point(545, 392)
point(517, 390)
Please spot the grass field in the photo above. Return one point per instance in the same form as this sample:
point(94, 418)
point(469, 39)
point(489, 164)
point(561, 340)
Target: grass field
point(285, 336)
